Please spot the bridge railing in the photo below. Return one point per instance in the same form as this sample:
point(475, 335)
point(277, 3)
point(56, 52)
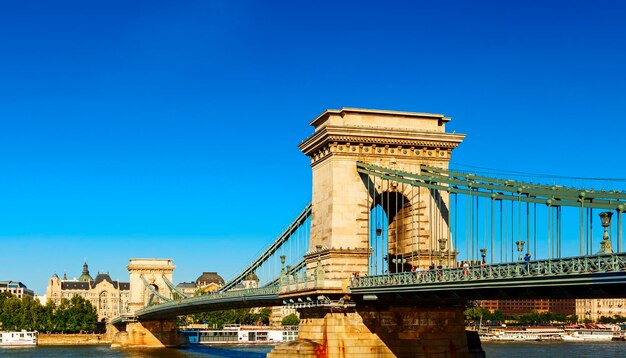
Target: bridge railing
point(300, 281)
point(213, 296)
point(246, 292)
point(521, 269)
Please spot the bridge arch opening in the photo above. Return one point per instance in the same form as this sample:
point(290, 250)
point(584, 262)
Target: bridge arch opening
point(150, 297)
point(390, 233)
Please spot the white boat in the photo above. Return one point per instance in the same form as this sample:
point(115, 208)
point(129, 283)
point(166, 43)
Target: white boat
point(523, 334)
point(236, 334)
point(590, 335)
point(23, 338)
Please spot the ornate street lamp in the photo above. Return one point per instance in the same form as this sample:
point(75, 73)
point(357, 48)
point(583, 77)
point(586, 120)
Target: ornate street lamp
point(282, 263)
point(442, 247)
point(520, 248)
point(483, 253)
point(605, 244)
point(399, 261)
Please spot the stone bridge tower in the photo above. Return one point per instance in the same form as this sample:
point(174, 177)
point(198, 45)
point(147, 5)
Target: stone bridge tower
point(152, 271)
point(146, 333)
point(341, 203)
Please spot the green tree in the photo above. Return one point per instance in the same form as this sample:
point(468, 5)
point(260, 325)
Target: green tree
point(17, 314)
point(47, 317)
point(497, 315)
point(10, 318)
point(217, 319)
point(264, 316)
point(606, 319)
point(60, 317)
point(73, 315)
point(572, 319)
point(548, 317)
point(82, 315)
point(290, 320)
point(476, 313)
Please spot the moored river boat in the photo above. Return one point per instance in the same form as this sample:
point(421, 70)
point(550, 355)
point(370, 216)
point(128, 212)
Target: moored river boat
point(21, 339)
point(523, 334)
point(593, 333)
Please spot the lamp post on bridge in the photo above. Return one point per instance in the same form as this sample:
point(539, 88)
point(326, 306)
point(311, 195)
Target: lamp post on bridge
point(442, 247)
point(483, 254)
point(605, 245)
point(282, 270)
point(400, 261)
point(282, 262)
point(520, 249)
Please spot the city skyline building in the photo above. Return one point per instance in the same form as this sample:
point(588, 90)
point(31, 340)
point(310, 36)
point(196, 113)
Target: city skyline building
point(16, 288)
point(595, 308)
point(109, 297)
point(592, 309)
point(524, 306)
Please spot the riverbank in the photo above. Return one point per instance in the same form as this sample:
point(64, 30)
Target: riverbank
point(72, 339)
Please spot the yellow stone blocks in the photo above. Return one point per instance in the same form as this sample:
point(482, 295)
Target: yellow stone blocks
point(375, 332)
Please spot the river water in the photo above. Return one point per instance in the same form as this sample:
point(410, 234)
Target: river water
point(493, 350)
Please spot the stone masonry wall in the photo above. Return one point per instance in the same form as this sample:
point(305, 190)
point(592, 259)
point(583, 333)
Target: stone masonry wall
point(71, 339)
point(379, 332)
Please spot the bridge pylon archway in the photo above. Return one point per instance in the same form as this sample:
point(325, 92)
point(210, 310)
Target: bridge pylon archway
point(148, 272)
point(342, 198)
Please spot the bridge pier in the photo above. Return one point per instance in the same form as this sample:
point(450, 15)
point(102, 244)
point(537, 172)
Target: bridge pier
point(148, 334)
point(380, 331)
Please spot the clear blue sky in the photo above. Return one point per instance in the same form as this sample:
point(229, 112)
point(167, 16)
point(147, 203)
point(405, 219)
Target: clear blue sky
point(170, 129)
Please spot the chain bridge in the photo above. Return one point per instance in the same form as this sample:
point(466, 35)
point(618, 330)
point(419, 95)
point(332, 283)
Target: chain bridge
point(395, 242)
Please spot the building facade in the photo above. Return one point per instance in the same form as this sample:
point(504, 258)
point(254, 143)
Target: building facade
point(566, 306)
point(109, 297)
point(594, 309)
point(187, 288)
point(16, 288)
point(212, 281)
point(209, 282)
point(584, 309)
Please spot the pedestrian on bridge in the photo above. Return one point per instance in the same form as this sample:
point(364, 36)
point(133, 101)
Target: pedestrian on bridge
point(466, 266)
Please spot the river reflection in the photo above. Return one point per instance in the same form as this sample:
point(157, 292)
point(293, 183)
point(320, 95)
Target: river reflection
point(554, 349)
point(492, 349)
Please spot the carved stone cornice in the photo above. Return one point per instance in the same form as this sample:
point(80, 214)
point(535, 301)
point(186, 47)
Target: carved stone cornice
point(333, 251)
point(150, 268)
point(359, 141)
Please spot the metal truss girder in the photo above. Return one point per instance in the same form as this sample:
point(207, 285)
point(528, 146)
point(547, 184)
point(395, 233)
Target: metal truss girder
point(255, 297)
point(451, 186)
point(573, 192)
point(153, 291)
point(173, 288)
point(282, 238)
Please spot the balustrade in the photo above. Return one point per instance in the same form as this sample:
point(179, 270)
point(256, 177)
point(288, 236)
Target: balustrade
point(553, 267)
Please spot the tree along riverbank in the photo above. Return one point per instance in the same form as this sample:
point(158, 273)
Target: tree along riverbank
point(73, 315)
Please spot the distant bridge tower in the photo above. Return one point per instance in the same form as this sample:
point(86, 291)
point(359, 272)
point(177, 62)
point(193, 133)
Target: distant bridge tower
point(343, 199)
point(148, 272)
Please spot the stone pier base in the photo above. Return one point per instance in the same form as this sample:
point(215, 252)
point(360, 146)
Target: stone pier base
point(148, 334)
point(400, 331)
